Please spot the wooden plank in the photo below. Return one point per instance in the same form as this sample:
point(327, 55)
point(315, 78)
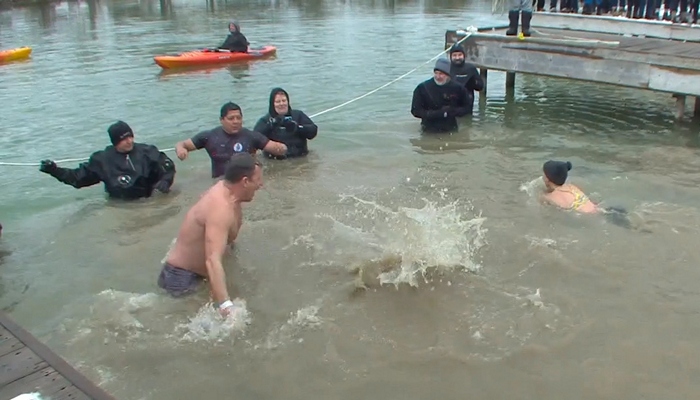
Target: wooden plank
point(42, 351)
point(18, 364)
point(617, 25)
point(9, 345)
point(46, 381)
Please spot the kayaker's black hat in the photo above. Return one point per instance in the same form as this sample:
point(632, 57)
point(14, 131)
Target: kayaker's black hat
point(119, 131)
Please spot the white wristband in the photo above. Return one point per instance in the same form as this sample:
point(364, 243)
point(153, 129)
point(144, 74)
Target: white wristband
point(225, 304)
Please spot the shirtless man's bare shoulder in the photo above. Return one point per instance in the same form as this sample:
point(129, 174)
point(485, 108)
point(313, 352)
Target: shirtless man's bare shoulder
point(209, 226)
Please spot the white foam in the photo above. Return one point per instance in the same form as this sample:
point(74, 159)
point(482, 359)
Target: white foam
point(208, 325)
point(29, 396)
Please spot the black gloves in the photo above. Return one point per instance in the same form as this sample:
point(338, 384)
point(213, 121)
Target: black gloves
point(285, 121)
point(48, 167)
point(162, 186)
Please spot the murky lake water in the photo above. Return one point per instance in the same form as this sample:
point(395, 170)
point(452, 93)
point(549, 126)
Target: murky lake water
point(510, 300)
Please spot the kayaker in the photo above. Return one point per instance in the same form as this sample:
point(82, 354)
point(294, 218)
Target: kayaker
point(438, 100)
point(286, 125)
point(235, 42)
point(128, 170)
point(228, 139)
point(465, 74)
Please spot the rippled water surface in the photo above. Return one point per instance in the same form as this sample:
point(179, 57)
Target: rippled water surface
point(385, 265)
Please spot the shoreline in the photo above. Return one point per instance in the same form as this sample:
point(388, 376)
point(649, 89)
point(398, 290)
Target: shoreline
point(9, 4)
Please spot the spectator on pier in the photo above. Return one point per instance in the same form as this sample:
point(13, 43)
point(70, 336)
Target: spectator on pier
point(570, 6)
point(465, 74)
point(235, 42)
point(438, 100)
point(514, 15)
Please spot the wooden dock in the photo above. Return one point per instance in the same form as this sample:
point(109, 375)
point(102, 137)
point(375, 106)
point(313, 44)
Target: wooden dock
point(650, 55)
point(28, 366)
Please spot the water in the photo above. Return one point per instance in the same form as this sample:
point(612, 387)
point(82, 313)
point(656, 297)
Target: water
point(387, 264)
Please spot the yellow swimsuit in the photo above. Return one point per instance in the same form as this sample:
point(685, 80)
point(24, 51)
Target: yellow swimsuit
point(579, 199)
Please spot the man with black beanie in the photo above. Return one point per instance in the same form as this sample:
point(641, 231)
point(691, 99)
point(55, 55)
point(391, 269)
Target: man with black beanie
point(128, 170)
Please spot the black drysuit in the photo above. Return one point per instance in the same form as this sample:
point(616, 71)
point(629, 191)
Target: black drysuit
point(294, 129)
point(125, 176)
point(438, 105)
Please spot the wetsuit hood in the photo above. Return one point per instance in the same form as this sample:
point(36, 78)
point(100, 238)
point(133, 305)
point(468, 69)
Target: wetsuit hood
point(271, 107)
point(457, 48)
point(234, 23)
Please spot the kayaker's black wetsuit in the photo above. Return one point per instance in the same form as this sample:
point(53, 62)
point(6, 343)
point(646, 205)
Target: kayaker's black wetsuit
point(293, 129)
point(235, 42)
point(438, 106)
point(465, 74)
point(126, 176)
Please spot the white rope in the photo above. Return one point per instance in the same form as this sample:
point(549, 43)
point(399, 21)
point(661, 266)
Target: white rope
point(468, 32)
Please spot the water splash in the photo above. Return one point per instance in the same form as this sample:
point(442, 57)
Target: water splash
point(306, 317)
point(533, 188)
point(404, 243)
point(208, 325)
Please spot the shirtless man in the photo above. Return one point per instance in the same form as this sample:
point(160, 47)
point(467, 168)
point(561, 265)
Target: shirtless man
point(209, 226)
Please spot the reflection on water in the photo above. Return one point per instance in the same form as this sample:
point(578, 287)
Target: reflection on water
point(386, 255)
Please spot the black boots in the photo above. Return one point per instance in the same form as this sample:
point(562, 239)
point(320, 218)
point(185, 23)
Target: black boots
point(527, 16)
point(513, 16)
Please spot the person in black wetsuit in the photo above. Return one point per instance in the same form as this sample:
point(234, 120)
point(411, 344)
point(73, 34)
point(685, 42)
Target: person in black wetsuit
point(285, 125)
point(228, 139)
point(438, 100)
point(465, 74)
point(128, 170)
point(235, 42)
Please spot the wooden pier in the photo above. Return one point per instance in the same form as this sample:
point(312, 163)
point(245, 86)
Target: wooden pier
point(28, 366)
point(650, 55)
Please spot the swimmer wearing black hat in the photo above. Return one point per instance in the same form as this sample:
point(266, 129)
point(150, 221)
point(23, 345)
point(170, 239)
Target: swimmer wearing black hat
point(128, 170)
point(570, 197)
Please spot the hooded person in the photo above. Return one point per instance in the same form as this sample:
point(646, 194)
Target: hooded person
point(286, 125)
point(438, 101)
point(465, 74)
point(127, 169)
point(235, 42)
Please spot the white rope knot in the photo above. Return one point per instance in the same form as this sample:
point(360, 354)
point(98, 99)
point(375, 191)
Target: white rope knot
point(467, 31)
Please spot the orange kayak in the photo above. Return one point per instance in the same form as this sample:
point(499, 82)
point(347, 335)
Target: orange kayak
point(19, 53)
point(210, 57)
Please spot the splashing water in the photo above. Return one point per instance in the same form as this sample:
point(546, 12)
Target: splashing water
point(533, 187)
point(208, 325)
point(412, 240)
point(306, 317)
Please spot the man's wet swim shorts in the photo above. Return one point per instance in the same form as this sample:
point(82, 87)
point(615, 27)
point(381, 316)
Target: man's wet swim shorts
point(178, 282)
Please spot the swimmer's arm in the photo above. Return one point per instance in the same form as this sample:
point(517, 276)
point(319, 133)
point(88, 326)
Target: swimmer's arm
point(215, 237)
point(276, 148)
point(87, 174)
point(186, 144)
point(546, 200)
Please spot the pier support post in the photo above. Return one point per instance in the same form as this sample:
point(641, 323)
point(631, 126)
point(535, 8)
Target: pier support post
point(680, 105)
point(696, 111)
point(484, 74)
point(510, 80)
